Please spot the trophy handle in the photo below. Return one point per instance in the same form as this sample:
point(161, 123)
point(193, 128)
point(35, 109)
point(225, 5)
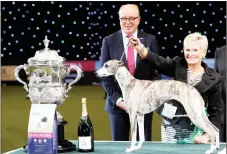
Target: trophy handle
point(79, 75)
point(16, 73)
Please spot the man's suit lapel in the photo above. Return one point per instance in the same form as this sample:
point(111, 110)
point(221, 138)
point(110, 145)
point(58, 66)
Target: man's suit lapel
point(140, 35)
point(120, 45)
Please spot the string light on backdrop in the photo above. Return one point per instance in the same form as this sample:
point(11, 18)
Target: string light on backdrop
point(77, 28)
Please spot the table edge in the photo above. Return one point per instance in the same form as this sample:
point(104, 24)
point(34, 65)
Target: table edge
point(105, 141)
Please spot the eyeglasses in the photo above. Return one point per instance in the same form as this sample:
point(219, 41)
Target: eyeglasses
point(130, 19)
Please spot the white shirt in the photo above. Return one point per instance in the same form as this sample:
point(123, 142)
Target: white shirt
point(125, 42)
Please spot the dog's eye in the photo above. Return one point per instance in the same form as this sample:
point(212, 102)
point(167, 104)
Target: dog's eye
point(106, 66)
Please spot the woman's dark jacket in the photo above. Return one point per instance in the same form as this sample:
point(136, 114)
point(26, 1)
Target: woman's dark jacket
point(209, 87)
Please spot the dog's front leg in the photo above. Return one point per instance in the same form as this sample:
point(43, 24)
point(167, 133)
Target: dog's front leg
point(133, 123)
point(140, 120)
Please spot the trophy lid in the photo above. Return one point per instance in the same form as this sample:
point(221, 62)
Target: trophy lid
point(46, 56)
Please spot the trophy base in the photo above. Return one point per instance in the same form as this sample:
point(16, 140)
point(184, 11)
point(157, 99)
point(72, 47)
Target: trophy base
point(64, 146)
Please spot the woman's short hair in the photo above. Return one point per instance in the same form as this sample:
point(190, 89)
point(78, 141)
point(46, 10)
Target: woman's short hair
point(197, 38)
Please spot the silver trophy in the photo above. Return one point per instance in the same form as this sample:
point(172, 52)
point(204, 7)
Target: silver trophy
point(47, 71)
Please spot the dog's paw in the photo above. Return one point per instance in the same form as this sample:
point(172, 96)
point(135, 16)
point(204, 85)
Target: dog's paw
point(131, 149)
point(209, 151)
point(217, 147)
point(138, 147)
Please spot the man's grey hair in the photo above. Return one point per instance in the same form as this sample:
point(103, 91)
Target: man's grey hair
point(129, 5)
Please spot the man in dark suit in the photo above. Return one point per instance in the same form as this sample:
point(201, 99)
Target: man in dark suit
point(115, 46)
point(220, 67)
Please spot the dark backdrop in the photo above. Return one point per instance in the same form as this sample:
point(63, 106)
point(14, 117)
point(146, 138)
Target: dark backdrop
point(77, 28)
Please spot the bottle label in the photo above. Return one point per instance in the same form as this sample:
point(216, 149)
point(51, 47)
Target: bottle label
point(84, 142)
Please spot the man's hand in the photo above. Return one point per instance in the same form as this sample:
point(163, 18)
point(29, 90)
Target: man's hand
point(122, 105)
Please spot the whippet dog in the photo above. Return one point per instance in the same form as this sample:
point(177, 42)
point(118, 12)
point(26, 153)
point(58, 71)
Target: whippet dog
point(143, 96)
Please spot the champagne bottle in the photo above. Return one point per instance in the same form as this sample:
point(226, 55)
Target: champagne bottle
point(85, 131)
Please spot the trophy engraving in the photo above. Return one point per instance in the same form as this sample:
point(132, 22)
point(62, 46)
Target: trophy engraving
point(47, 71)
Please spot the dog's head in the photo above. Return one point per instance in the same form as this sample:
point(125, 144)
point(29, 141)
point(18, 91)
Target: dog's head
point(109, 68)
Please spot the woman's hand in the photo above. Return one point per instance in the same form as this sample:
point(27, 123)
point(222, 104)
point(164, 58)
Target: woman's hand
point(203, 139)
point(135, 43)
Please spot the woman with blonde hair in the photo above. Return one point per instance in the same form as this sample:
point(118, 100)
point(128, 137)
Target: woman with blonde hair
point(192, 70)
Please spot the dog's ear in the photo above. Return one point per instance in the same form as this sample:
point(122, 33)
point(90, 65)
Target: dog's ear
point(121, 63)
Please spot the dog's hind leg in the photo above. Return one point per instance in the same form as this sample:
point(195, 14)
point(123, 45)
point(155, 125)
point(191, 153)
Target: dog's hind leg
point(202, 121)
point(133, 123)
point(140, 120)
point(211, 130)
point(196, 113)
point(217, 146)
point(214, 134)
point(215, 140)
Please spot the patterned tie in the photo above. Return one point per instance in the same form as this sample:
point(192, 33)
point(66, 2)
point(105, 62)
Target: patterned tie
point(131, 61)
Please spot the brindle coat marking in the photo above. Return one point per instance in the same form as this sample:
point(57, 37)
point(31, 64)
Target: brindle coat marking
point(141, 97)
